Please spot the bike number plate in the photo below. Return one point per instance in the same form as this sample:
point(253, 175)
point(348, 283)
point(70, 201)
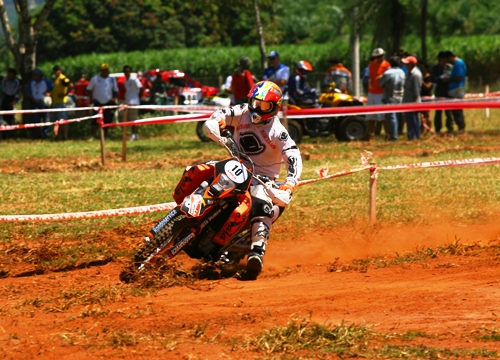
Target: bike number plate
point(236, 171)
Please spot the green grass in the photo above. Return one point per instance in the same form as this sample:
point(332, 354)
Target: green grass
point(55, 177)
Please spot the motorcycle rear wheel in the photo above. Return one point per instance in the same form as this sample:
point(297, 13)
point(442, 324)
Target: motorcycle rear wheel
point(352, 128)
point(295, 131)
point(201, 133)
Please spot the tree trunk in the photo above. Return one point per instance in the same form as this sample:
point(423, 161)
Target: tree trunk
point(260, 31)
point(423, 28)
point(24, 50)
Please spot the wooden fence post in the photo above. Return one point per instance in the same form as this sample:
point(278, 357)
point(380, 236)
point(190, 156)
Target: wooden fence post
point(373, 193)
point(103, 151)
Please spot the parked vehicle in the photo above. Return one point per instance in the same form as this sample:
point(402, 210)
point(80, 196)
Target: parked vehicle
point(345, 128)
point(212, 218)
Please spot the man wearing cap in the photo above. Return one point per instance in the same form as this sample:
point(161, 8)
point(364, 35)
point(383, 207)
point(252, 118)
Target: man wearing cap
point(59, 95)
point(376, 69)
point(277, 72)
point(103, 90)
point(413, 86)
point(38, 89)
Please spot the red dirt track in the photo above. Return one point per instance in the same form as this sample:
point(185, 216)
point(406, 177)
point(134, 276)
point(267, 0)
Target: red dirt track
point(88, 314)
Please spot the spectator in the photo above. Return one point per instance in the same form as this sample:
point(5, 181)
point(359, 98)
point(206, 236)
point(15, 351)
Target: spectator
point(103, 91)
point(376, 69)
point(133, 94)
point(412, 89)
point(38, 89)
point(439, 72)
point(338, 73)
point(425, 92)
point(277, 72)
point(146, 85)
point(456, 84)
point(228, 88)
point(242, 80)
point(59, 95)
point(298, 91)
point(82, 100)
point(392, 81)
point(11, 93)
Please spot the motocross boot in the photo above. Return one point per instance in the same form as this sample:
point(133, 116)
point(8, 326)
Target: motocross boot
point(260, 235)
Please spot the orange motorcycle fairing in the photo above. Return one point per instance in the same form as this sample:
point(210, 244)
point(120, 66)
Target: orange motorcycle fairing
point(236, 221)
point(192, 177)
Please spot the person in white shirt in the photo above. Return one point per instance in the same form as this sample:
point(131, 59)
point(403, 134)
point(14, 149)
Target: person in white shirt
point(38, 89)
point(260, 134)
point(133, 94)
point(103, 91)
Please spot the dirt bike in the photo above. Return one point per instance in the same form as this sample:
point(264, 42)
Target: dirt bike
point(345, 128)
point(212, 218)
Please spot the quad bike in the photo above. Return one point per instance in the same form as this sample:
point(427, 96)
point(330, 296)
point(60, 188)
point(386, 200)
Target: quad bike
point(345, 128)
point(212, 218)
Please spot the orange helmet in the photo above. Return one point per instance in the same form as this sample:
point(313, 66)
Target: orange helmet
point(303, 67)
point(264, 100)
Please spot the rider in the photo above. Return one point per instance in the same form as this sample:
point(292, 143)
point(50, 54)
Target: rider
point(259, 133)
point(298, 91)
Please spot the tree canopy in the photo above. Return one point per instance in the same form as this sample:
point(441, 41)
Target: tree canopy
point(95, 26)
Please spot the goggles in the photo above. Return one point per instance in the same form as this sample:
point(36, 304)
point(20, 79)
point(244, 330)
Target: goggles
point(261, 105)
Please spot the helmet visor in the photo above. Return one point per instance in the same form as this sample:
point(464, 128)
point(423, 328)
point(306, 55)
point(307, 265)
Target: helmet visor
point(263, 106)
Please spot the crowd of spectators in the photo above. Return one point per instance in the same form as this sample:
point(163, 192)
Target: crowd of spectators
point(403, 78)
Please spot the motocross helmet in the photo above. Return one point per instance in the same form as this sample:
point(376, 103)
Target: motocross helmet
point(303, 67)
point(264, 100)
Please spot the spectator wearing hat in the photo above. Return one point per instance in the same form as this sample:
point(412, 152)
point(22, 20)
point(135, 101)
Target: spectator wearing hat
point(376, 69)
point(413, 87)
point(277, 72)
point(59, 95)
point(339, 74)
point(103, 91)
point(133, 94)
point(242, 80)
point(11, 93)
point(38, 89)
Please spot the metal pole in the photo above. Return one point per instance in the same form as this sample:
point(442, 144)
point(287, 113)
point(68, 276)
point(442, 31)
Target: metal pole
point(355, 54)
point(124, 135)
point(373, 193)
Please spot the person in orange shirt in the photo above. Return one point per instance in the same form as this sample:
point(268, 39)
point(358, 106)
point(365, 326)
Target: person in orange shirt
point(376, 69)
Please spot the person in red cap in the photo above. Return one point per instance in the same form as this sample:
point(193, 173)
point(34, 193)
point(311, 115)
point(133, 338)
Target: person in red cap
point(413, 87)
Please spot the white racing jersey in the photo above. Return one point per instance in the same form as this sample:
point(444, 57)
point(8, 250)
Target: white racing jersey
point(267, 145)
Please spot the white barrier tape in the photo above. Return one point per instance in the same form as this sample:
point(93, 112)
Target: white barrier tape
point(444, 163)
point(48, 110)
point(325, 177)
point(180, 108)
point(58, 122)
point(90, 214)
point(169, 206)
